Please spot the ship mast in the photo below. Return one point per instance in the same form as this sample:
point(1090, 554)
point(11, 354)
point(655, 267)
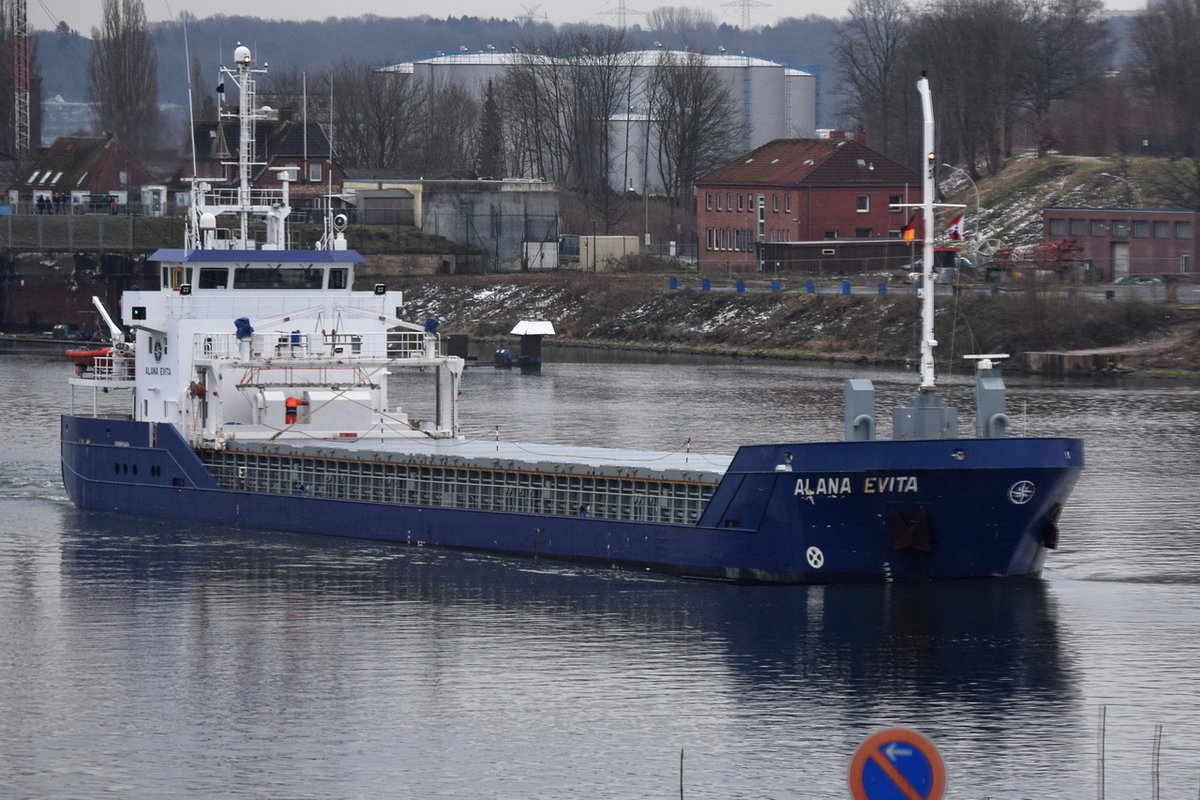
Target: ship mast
point(927, 287)
point(240, 198)
point(246, 116)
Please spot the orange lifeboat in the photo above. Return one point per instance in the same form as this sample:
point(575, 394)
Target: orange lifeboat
point(86, 359)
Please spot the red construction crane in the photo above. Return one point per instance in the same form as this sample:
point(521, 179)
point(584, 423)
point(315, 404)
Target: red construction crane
point(21, 78)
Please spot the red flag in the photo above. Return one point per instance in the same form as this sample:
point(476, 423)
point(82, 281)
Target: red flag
point(910, 230)
point(955, 228)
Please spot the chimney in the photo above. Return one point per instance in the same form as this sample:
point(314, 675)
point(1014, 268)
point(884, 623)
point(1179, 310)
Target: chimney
point(860, 135)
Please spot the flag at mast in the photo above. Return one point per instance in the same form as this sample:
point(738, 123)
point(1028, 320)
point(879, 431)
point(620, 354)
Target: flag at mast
point(955, 228)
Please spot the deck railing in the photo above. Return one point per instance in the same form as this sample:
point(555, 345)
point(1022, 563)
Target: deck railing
point(392, 345)
point(111, 370)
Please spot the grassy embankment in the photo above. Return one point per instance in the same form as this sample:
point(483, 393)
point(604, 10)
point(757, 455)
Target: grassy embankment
point(639, 311)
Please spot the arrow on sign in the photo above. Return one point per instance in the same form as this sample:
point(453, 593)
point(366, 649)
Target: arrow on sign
point(897, 764)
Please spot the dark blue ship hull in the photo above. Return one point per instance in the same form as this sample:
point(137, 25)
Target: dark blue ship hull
point(845, 511)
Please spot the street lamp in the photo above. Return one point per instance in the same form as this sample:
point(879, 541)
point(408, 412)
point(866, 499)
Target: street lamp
point(967, 175)
point(1129, 183)
point(646, 180)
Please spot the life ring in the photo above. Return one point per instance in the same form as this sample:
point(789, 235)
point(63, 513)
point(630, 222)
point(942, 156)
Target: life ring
point(196, 389)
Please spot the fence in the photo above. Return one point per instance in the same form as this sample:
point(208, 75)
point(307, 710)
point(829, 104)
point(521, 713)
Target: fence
point(89, 232)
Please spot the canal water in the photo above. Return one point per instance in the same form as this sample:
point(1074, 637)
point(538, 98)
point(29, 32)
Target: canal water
point(146, 659)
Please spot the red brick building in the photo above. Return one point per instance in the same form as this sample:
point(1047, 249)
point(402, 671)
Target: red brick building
point(78, 174)
point(303, 148)
point(1127, 242)
point(807, 205)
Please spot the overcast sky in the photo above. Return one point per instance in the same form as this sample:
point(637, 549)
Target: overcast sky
point(83, 15)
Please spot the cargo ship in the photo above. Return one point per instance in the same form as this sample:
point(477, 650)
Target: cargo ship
point(261, 390)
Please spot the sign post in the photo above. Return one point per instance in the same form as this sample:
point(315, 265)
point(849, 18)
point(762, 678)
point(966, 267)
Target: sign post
point(897, 764)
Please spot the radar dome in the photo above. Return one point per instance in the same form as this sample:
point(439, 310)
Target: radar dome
point(208, 221)
point(242, 54)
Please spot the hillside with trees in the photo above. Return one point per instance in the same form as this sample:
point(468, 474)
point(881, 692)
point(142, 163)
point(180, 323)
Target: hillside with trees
point(1042, 77)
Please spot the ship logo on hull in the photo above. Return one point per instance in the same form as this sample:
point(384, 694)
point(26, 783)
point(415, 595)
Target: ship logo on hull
point(1021, 492)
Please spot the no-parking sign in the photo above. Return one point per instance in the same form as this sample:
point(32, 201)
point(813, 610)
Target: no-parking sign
point(897, 764)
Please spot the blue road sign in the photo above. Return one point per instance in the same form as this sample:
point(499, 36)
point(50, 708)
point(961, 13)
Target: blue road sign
point(897, 764)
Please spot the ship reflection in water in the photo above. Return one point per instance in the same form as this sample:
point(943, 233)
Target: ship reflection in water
point(151, 662)
point(498, 670)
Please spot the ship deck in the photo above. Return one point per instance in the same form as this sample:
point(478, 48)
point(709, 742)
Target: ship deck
point(614, 462)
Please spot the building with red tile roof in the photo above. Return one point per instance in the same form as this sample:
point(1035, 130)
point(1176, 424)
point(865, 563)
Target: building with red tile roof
point(807, 205)
point(76, 171)
point(279, 143)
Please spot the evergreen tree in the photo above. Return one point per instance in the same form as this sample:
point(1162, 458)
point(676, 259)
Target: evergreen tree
point(491, 137)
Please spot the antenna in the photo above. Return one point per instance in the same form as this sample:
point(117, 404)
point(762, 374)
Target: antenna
point(192, 233)
point(187, 58)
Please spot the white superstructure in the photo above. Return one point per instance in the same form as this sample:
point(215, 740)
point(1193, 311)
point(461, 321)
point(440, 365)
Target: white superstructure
point(249, 338)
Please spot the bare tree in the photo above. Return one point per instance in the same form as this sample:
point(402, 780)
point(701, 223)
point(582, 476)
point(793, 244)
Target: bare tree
point(692, 112)
point(870, 49)
point(974, 51)
point(123, 75)
point(1168, 63)
point(1071, 50)
point(603, 80)
point(444, 148)
point(540, 94)
point(681, 25)
point(204, 108)
point(561, 99)
point(377, 116)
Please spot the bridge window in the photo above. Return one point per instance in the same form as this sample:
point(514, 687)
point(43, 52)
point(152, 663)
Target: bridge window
point(213, 278)
point(277, 278)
